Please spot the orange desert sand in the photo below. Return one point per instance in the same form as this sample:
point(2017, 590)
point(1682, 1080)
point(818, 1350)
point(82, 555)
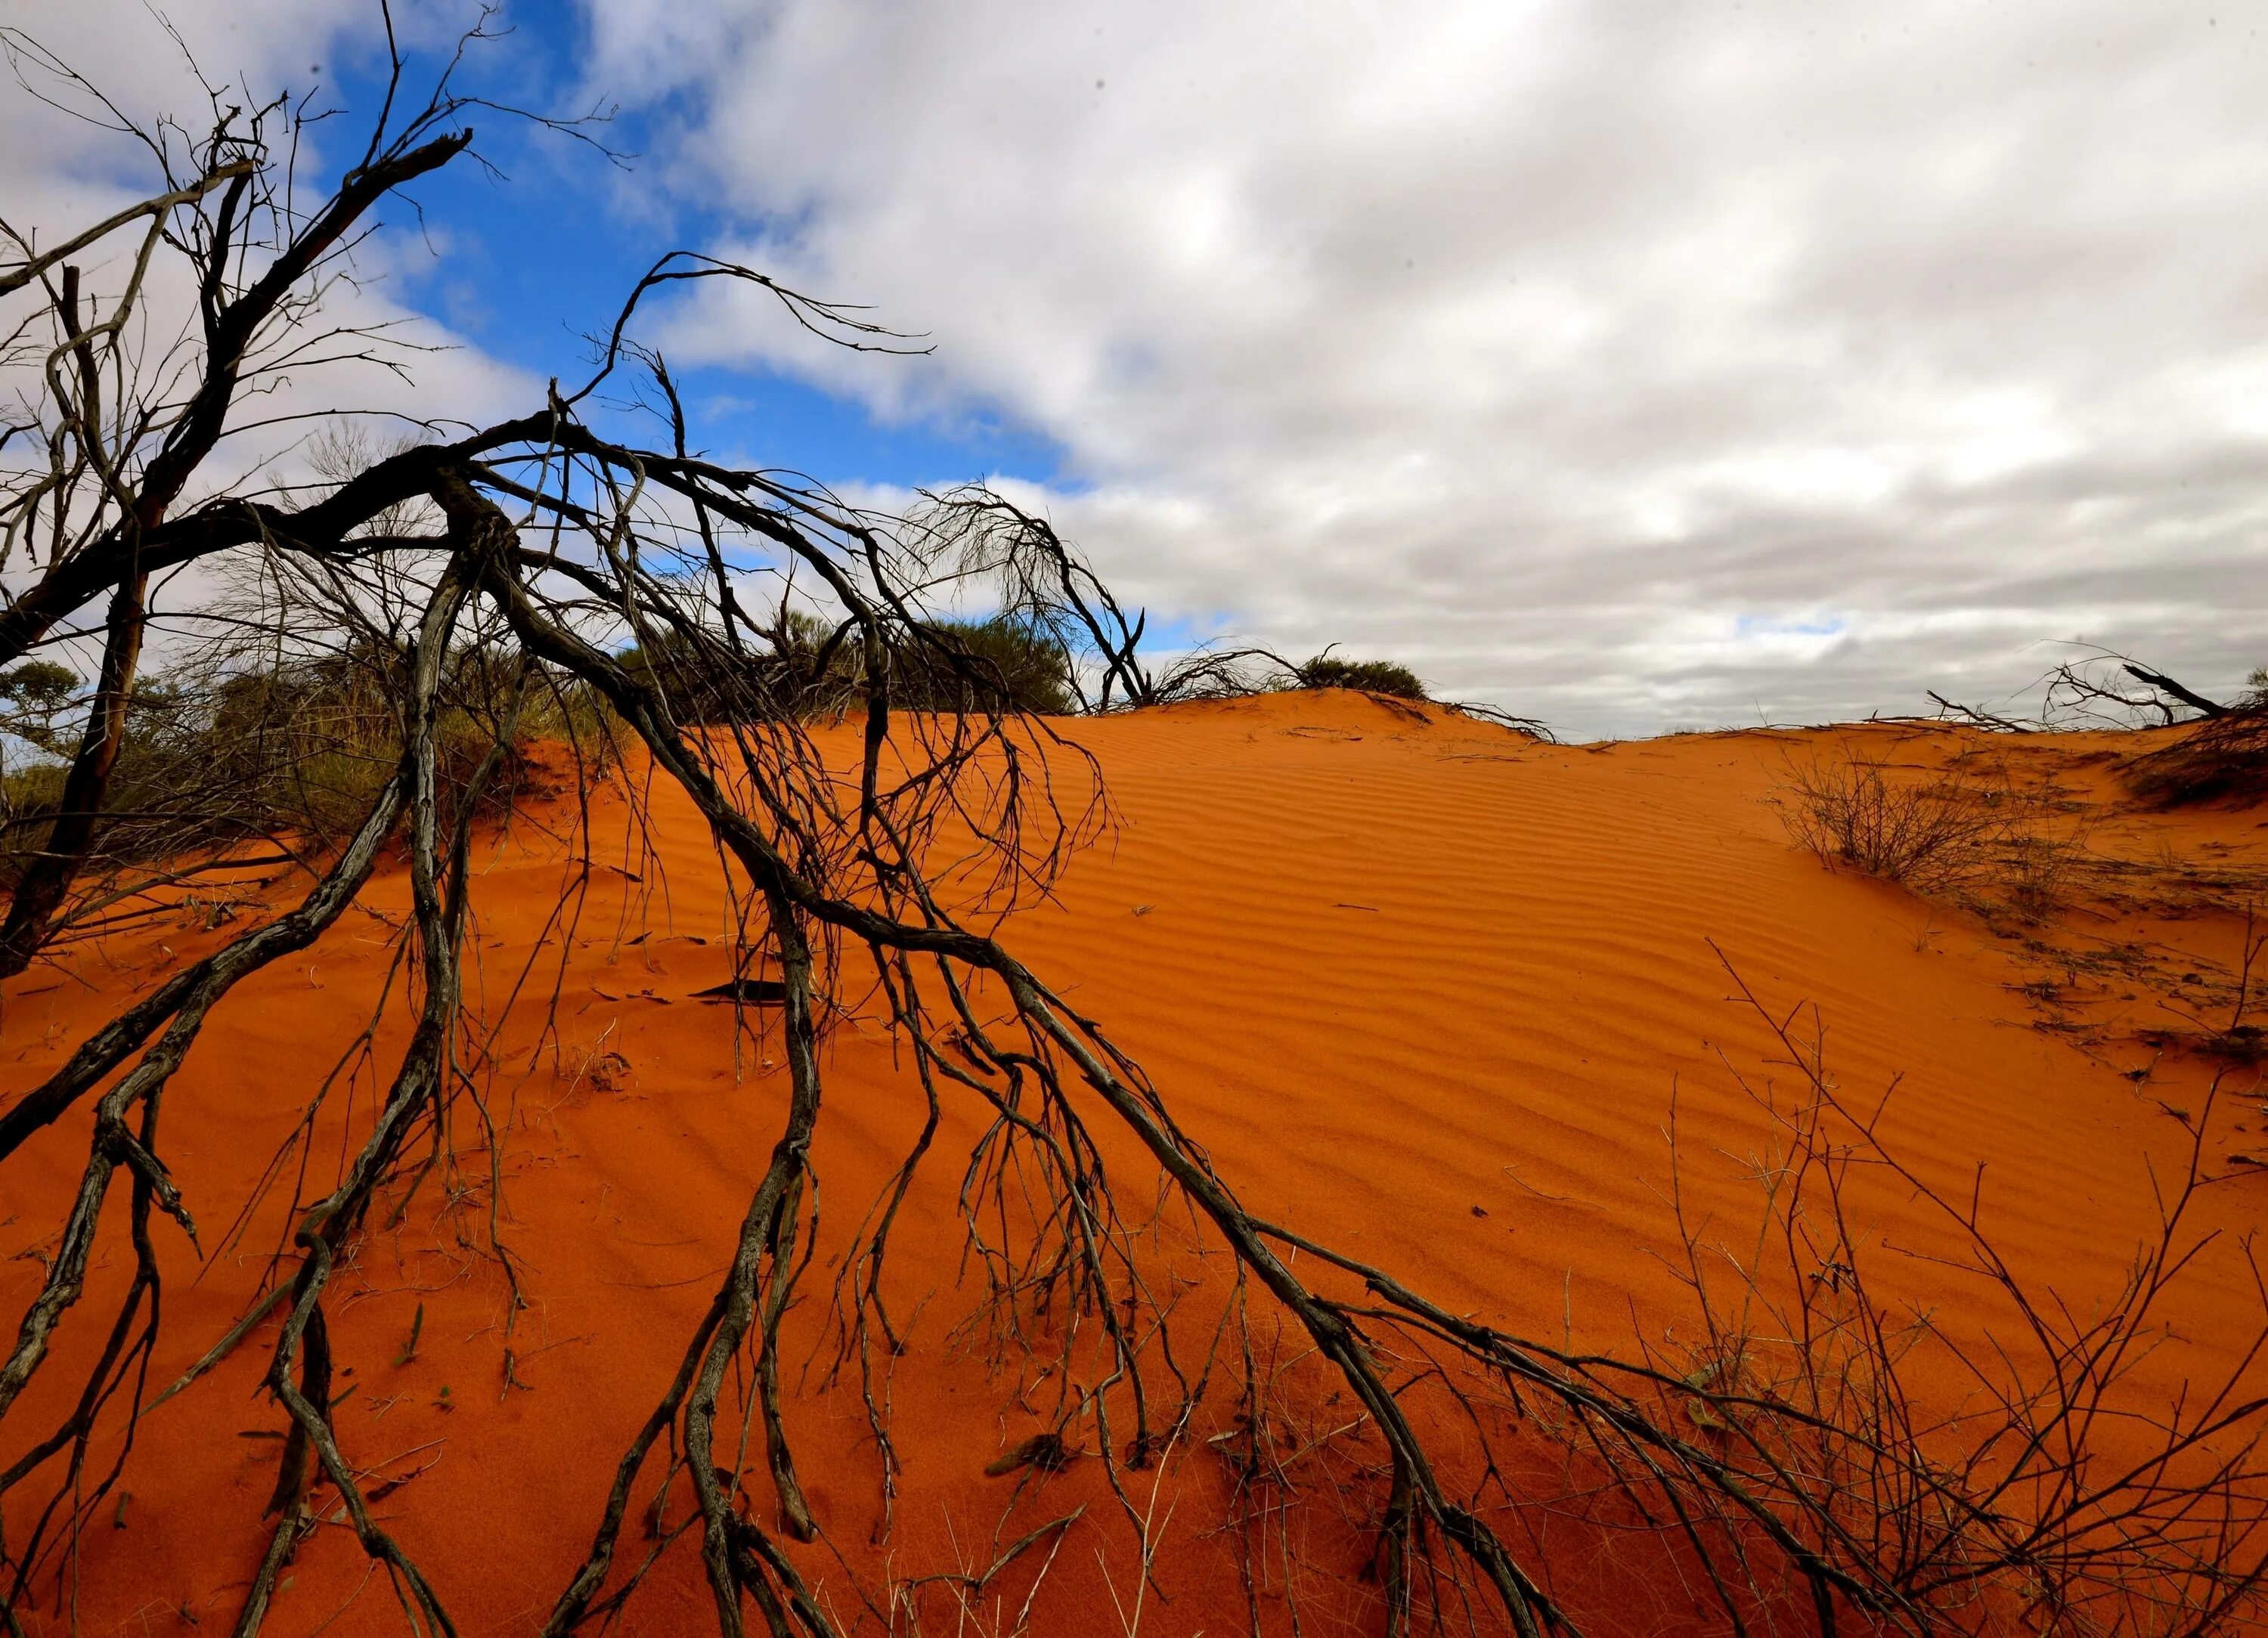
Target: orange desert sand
point(1422, 987)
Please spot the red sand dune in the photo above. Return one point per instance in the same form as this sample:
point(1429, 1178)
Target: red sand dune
point(1424, 988)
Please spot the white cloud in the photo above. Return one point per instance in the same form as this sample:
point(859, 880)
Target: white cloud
point(61, 172)
point(1526, 341)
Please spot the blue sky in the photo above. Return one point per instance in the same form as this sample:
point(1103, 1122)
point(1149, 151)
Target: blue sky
point(534, 260)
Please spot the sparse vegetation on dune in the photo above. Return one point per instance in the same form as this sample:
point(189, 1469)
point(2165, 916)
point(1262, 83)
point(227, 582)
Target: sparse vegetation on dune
point(2041, 868)
point(1921, 830)
point(289, 751)
point(2224, 758)
point(997, 664)
point(1966, 835)
point(2001, 1458)
point(2222, 754)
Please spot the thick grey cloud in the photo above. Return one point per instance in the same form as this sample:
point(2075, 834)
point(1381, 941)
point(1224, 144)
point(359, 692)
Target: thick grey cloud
point(1635, 364)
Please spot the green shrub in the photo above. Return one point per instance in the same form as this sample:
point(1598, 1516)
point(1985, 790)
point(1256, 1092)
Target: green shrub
point(36, 693)
point(28, 798)
point(985, 665)
point(993, 665)
point(295, 750)
point(1327, 671)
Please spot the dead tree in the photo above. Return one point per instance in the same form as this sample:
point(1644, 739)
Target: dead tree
point(2165, 685)
point(117, 444)
point(2089, 690)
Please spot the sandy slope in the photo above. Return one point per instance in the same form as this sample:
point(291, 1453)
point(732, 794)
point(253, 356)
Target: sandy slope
point(1422, 987)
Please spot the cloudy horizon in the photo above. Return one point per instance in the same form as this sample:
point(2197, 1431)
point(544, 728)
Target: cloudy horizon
point(1630, 369)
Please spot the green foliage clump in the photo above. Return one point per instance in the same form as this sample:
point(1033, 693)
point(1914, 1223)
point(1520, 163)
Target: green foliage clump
point(39, 688)
point(995, 664)
point(705, 680)
point(1328, 671)
point(986, 665)
point(308, 744)
point(37, 693)
point(294, 750)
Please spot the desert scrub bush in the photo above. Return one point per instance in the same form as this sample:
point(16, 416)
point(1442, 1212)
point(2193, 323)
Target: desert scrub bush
point(987, 664)
point(310, 742)
point(801, 673)
point(33, 696)
point(28, 799)
point(294, 751)
point(174, 789)
point(2014, 856)
point(1386, 676)
point(2033, 874)
point(2221, 759)
point(1928, 833)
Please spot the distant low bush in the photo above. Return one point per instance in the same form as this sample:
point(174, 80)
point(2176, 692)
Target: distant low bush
point(982, 664)
point(1328, 671)
point(993, 665)
point(297, 750)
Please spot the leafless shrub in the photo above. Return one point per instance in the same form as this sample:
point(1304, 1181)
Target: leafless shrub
point(2018, 1460)
point(2035, 875)
point(2005, 852)
point(1927, 832)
